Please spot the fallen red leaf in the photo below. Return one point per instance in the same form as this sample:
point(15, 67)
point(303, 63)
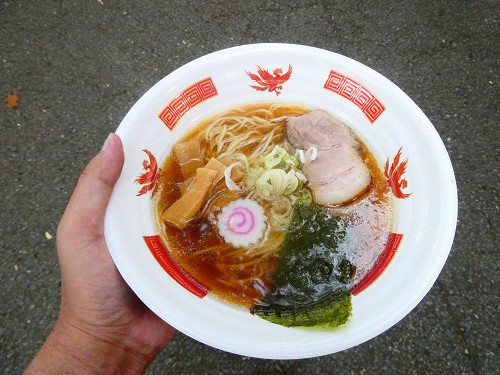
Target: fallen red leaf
point(11, 100)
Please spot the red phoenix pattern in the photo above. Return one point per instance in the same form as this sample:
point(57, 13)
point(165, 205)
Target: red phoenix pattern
point(380, 265)
point(161, 255)
point(356, 93)
point(270, 82)
point(149, 177)
point(394, 176)
point(187, 100)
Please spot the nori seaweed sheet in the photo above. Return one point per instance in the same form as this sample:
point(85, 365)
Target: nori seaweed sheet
point(310, 282)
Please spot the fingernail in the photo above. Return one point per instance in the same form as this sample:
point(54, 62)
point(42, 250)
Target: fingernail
point(106, 143)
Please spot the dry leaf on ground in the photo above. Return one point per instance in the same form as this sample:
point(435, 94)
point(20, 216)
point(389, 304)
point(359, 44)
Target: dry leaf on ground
point(11, 100)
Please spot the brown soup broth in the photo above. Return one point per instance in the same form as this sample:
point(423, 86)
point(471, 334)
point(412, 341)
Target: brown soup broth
point(369, 217)
point(242, 278)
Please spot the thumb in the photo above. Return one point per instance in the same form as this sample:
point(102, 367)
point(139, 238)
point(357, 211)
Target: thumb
point(84, 215)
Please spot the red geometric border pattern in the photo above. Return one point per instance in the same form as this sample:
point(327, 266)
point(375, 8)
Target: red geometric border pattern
point(187, 100)
point(168, 264)
point(381, 264)
point(356, 93)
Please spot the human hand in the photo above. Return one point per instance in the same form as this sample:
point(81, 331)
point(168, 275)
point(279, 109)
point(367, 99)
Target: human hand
point(102, 327)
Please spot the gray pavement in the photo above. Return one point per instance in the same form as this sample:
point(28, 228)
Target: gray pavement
point(78, 66)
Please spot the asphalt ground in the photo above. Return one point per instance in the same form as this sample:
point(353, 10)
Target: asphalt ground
point(78, 66)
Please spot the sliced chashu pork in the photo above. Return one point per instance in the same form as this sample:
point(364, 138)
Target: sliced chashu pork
point(338, 174)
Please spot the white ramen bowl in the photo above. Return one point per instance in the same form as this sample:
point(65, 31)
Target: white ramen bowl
point(384, 117)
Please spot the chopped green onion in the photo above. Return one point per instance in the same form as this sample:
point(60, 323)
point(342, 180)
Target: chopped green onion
point(231, 185)
point(275, 177)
